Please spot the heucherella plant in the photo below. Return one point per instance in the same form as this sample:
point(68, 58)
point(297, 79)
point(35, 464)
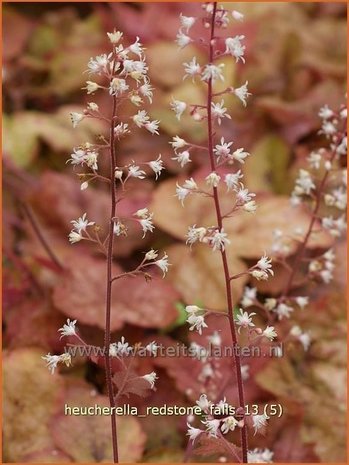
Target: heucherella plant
point(221, 153)
point(122, 74)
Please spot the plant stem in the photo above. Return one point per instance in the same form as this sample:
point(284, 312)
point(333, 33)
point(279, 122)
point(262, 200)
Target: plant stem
point(107, 337)
point(237, 360)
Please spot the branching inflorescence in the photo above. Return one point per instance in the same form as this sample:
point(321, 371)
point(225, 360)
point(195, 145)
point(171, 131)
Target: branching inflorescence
point(123, 75)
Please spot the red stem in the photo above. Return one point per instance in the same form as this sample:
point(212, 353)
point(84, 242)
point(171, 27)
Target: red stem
point(237, 360)
point(107, 336)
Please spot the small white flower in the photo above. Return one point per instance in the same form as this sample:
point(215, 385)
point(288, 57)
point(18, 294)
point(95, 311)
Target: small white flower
point(264, 263)
point(76, 118)
point(190, 184)
point(222, 150)
point(181, 193)
point(232, 179)
point(136, 48)
point(68, 329)
point(147, 91)
point(219, 111)
point(195, 234)
point(182, 157)
point(245, 372)
point(82, 223)
point(304, 338)
point(270, 333)
point(147, 225)
point(325, 112)
point(178, 107)
point(141, 118)
point(53, 360)
point(118, 86)
point(152, 348)
point(157, 166)
point(152, 126)
point(250, 207)
point(213, 72)
point(193, 433)
point(163, 264)
point(326, 276)
point(229, 424)
point(192, 68)
point(260, 456)
point(314, 160)
point(270, 303)
point(283, 311)
point(243, 195)
point(244, 319)
point(135, 172)
point(182, 39)
point(92, 106)
point(302, 301)
point(197, 351)
point(219, 240)
point(204, 403)
point(151, 255)
point(328, 128)
point(237, 15)
point(249, 296)
point(192, 309)
point(197, 322)
point(186, 22)
point(114, 36)
point(212, 427)
point(242, 93)
point(177, 143)
point(99, 64)
point(84, 186)
point(240, 155)
point(121, 130)
point(119, 229)
point(151, 378)
point(91, 87)
point(304, 183)
point(215, 339)
point(259, 421)
point(74, 237)
point(123, 347)
point(213, 179)
point(235, 48)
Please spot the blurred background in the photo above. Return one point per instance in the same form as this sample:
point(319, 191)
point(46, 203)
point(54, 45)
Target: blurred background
point(295, 63)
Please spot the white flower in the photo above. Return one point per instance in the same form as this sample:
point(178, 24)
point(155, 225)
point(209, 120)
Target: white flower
point(147, 91)
point(142, 213)
point(192, 68)
point(186, 22)
point(302, 301)
point(177, 143)
point(114, 36)
point(192, 309)
point(264, 264)
point(151, 378)
point(152, 126)
point(213, 72)
point(113, 352)
point(182, 39)
point(84, 186)
point(215, 339)
point(229, 424)
point(243, 195)
point(314, 160)
point(141, 118)
point(342, 147)
point(260, 456)
point(249, 296)
point(135, 172)
point(235, 48)
point(92, 106)
point(195, 234)
point(68, 329)
point(222, 150)
point(244, 319)
point(198, 351)
point(74, 237)
point(53, 360)
point(99, 64)
point(157, 166)
point(182, 157)
point(242, 93)
point(121, 130)
point(181, 193)
point(245, 372)
point(240, 155)
point(283, 310)
point(212, 427)
point(250, 207)
point(325, 112)
point(152, 348)
point(190, 184)
point(213, 179)
point(117, 86)
point(204, 403)
point(326, 276)
point(259, 421)
point(206, 372)
point(232, 179)
point(237, 15)
point(137, 69)
point(122, 347)
point(270, 303)
point(197, 322)
point(76, 118)
point(91, 87)
point(219, 111)
point(178, 107)
point(328, 128)
point(147, 225)
point(163, 264)
point(151, 255)
point(119, 229)
point(304, 338)
point(219, 240)
point(343, 113)
point(304, 183)
point(193, 433)
point(270, 333)
point(136, 48)
point(82, 223)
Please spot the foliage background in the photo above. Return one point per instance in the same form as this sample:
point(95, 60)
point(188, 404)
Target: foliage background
point(296, 62)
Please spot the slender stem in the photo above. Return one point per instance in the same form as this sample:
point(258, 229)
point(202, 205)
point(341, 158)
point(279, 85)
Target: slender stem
point(237, 360)
point(107, 336)
point(33, 221)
